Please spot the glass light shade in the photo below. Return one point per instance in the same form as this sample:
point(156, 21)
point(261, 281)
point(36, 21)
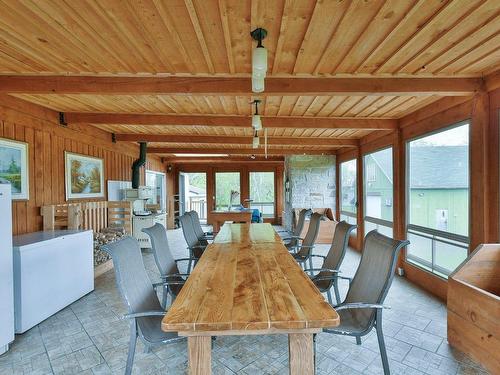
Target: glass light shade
point(259, 62)
point(257, 84)
point(256, 122)
point(255, 142)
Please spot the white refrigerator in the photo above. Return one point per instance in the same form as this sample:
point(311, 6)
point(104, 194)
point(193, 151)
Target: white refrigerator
point(6, 270)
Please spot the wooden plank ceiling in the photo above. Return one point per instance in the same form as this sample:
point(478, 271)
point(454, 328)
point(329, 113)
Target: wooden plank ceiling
point(368, 42)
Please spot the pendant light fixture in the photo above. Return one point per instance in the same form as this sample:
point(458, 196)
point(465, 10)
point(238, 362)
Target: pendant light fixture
point(256, 121)
point(255, 140)
point(259, 60)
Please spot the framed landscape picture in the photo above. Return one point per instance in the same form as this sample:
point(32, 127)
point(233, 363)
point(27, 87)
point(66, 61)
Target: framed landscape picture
point(14, 167)
point(84, 176)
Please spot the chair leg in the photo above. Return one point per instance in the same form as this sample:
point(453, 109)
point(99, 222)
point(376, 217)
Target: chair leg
point(336, 290)
point(314, 349)
point(190, 261)
point(311, 263)
point(358, 340)
point(164, 298)
point(329, 295)
point(131, 347)
point(381, 342)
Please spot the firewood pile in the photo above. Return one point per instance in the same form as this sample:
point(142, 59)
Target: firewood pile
point(105, 236)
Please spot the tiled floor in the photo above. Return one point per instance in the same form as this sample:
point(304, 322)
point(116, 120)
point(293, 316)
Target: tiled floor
point(88, 337)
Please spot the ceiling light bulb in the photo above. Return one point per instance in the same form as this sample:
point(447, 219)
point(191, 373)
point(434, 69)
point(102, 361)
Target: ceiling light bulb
point(255, 141)
point(256, 122)
point(259, 62)
point(257, 84)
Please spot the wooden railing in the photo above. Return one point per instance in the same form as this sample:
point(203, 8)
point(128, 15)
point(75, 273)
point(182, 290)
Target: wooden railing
point(88, 215)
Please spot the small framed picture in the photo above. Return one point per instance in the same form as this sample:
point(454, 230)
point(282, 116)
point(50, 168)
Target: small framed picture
point(84, 176)
point(14, 167)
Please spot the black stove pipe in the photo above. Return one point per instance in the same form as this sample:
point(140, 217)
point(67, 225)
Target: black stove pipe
point(136, 166)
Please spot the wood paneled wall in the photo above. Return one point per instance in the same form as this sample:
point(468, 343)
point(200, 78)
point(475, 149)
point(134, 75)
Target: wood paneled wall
point(47, 140)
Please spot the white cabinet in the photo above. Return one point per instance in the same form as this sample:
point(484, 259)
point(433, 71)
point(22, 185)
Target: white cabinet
point(140, 222)
point(6, 278)
point(52, 269)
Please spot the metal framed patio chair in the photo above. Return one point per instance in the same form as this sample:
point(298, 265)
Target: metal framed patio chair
point(203, 237)
point(291, 238)
point(362, 308)
point(167, 265)
point(144, 310)
point(303, 250)
point(195, 247)
point(327, 275)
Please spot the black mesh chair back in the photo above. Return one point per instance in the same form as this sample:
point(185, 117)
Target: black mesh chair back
point(363, 305)
point(375, 272)
point(163, 256)
point(300, 221)
point(338, 249)
point(198, 230)
point(195, 246)
point(131, 278)
point(299, 227)
point(144, 309)
point(327, 277)
point(310, 238)
point(188, 230)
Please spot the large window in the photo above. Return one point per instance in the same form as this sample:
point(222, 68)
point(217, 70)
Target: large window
point(438, 199)
point(348, 191)
point(157, 181)
point(262, 192)
point(378, 191)
point(225, 182)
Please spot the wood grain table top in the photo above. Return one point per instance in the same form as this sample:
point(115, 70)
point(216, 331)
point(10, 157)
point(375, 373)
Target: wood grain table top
point(250, 284)
point(247, 234)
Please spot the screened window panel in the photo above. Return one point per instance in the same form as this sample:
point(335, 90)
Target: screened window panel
point(348, 189)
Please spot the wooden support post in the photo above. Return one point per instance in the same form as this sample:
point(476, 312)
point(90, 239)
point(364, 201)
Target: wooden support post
point(399, 190)
point(360, 208)
point(200, 355)
point(301, 353)
point(479, 226)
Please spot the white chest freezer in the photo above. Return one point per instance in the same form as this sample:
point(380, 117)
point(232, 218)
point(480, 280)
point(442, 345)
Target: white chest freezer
point(52, 269)
point(6, 280)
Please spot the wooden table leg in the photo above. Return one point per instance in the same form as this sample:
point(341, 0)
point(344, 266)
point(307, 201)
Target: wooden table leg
point(301, 353)
point(200, 355)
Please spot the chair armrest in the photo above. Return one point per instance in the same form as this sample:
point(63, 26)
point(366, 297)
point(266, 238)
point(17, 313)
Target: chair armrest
point(318, 256)
point(143, 314)
point(167, 283)
point(184, 259)
point(165, 277)
point(361, 305)
point(305, 246)
point(322, 269)
point(345, 278)
point(197, 247)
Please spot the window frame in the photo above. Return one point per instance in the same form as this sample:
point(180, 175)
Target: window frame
point(342, 211)
point(274, 190)
point(371, 219)
point(431, 233)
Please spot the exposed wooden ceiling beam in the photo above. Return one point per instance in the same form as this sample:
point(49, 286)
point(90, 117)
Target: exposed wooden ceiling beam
point(230, 121)
point(238, 85)
point(236, 151)
point(294, 141)
point(241, 159)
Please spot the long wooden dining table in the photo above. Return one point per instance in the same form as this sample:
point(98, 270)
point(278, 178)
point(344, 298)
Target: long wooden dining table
point(247, 283)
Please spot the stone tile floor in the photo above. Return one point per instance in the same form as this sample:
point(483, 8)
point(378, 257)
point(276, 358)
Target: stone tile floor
point(88, 337)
